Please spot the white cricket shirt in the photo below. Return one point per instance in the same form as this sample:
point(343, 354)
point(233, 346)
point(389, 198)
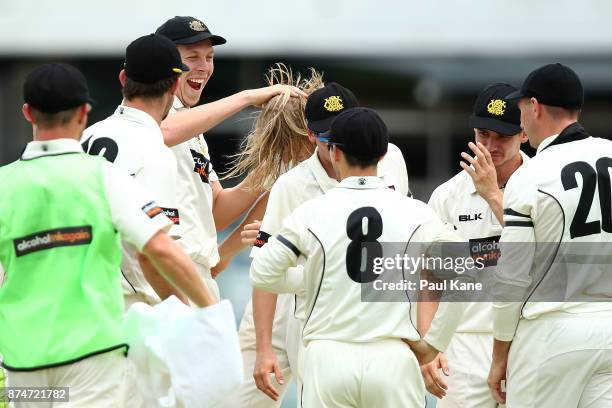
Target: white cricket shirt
point(132, 139)
point(561, 197)
point(130, 205)
point(458, 203)
point(309, 180)
point(195, 197)
point(317, 230)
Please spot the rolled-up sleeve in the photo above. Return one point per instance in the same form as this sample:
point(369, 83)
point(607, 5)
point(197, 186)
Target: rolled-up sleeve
point(274, 265)
point(134, 213)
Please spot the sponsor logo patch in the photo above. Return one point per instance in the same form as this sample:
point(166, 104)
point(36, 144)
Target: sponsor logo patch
point(59, 237)
point(172, 213)
point(201, 165)
point(262, 239)
point(486, 249)
point(152, 209)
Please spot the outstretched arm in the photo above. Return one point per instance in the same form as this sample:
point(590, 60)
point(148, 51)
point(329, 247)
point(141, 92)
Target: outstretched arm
point(182, 126)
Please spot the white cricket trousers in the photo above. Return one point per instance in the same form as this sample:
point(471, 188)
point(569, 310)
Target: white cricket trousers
point(469, 362)
point(361, 375)
point(561, 360)
point(286, 344)
point(95, 382)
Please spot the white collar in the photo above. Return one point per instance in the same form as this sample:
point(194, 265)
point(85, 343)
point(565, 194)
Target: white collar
point(362, 183)
point(177, 104)
point(319, 173)
point(40, 148)
point(136, 115)
point(544, 143)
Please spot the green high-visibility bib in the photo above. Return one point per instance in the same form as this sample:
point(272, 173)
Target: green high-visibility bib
point(61, 300)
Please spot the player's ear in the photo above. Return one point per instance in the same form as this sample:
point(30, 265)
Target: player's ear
point(82, 112)
point(174, 86)
point(27, 113)
point(523, 136)
point(337, 153)
point(122, 77)
point(311, 136)
point(536, 107)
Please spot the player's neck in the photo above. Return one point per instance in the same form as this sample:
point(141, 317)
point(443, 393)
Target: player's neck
point(327, 166)
point(346, 171)
point(154, 107)
point(59, 132)
point(507, 169)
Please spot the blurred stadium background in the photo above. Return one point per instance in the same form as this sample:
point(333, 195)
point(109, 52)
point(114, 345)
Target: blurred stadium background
point(420, 64)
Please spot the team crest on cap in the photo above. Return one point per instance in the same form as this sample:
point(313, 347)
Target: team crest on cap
point(333, 104)
point(496, 107)
point(197, 25)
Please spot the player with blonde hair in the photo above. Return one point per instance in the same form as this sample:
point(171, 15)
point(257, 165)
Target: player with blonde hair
point(278, 142)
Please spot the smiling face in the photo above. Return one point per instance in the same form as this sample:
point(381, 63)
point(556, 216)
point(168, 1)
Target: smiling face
point(199, 57)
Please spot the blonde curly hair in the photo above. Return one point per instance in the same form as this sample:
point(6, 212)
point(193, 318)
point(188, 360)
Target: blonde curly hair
point(279, 138)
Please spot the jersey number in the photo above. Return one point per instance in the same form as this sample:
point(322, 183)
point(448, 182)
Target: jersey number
point(104, 143)
point(591, 177)
point(358, 268)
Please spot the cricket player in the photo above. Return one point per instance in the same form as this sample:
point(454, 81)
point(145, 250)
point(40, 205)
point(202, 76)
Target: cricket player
point(471, 201)
point(205, 206)
point(63, 215)
point(270, 331)
point(558, 352)
point(132, 139)
point(354, 353)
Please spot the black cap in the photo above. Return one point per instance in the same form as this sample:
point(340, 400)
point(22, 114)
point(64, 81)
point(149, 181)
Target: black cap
point(151, 58)
point(53, 88)
point(324, 104)
point(493, 112)
point(360, 132)
point(188, 30)
point(553, 85)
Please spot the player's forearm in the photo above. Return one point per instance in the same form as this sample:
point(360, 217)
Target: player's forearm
point(496, 203)
point(427, 305)
point(232, 245)
point(182, 126)
point(160, 285)
point(501, 349)
point(174, 264)
point(264, 308)
point(230, 203)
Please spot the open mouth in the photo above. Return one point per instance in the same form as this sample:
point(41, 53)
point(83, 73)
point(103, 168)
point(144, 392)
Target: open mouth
point(195, 84)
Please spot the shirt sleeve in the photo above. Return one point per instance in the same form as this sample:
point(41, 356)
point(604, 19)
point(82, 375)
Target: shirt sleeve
point(160, 179)
point(450, 312)
point(512, 276)
point(395, 165)
point(276, 212)
point(437, 203)
point(272, 268)
point(134, 213)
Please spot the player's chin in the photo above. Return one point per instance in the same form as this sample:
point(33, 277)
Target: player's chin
point(497, 159)
point(191, 97)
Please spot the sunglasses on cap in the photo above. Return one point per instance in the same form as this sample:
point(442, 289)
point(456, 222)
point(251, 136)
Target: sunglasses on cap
point(323, 136)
